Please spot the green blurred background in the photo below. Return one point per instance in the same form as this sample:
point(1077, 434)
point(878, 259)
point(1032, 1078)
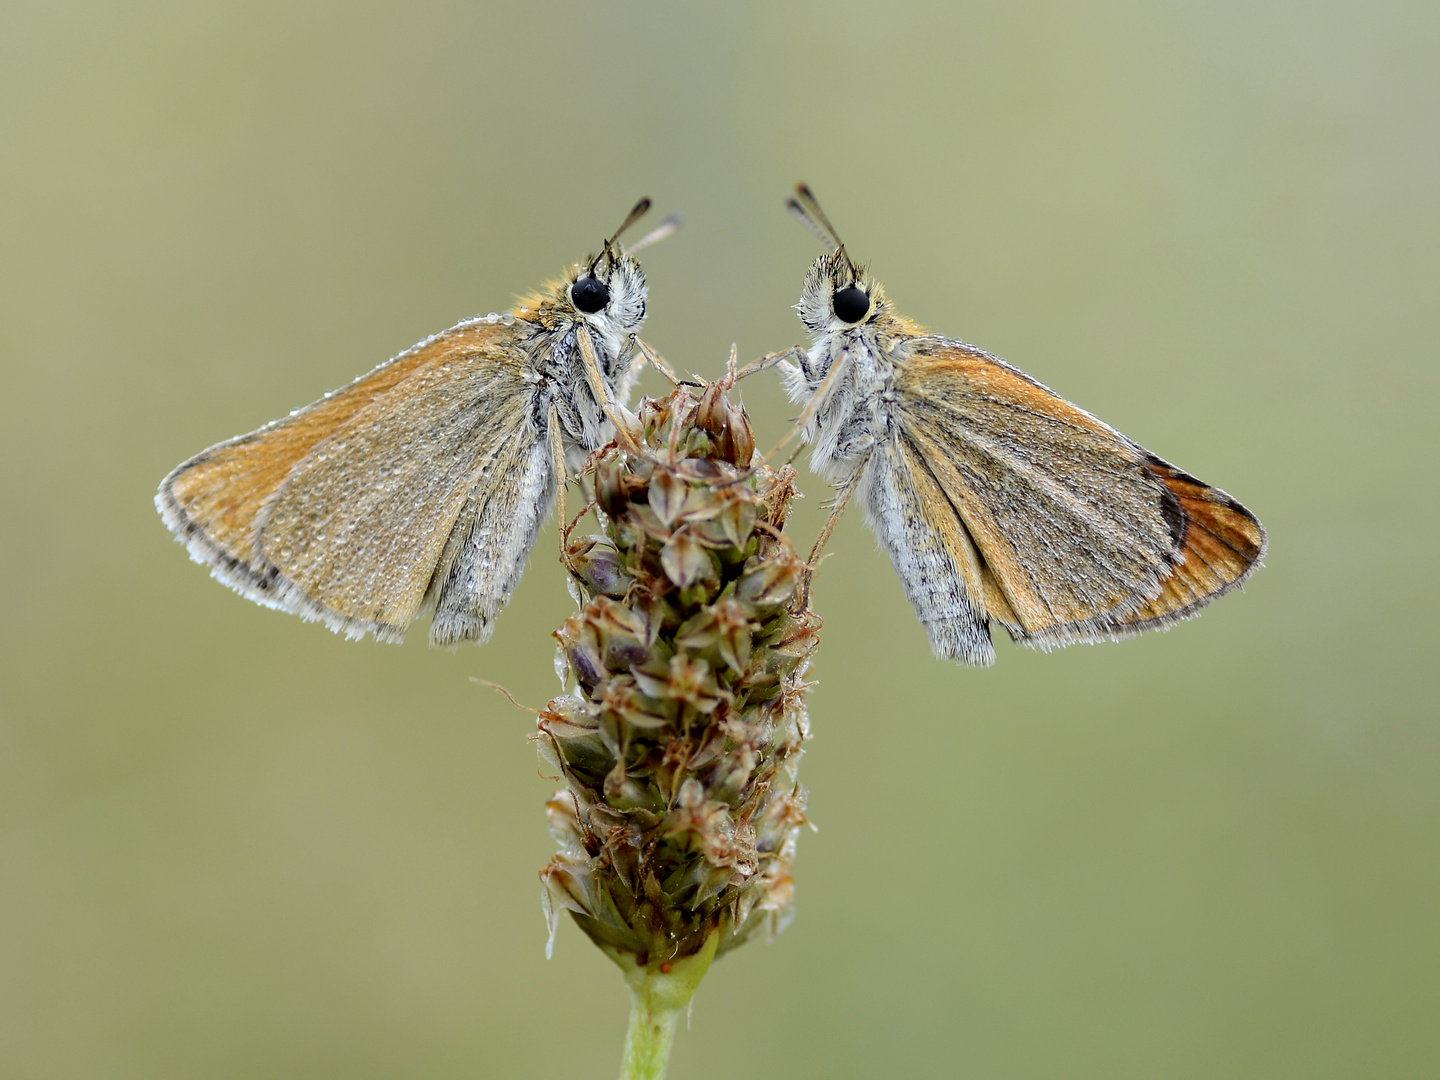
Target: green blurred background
point(235, 845)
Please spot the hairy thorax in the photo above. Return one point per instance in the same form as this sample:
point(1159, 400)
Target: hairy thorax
point(556, 368)
point(856, 412)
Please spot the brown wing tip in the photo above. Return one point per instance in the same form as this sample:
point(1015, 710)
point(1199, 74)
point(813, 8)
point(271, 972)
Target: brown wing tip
point(1215, 513)
point(1218, 545)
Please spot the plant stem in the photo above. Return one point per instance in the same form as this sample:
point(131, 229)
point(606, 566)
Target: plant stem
point(656, 998)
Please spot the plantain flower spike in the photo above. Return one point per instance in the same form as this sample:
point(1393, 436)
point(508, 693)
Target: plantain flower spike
point(679, 742)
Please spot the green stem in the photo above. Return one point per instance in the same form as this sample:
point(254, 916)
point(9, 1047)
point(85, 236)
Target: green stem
point(656, 998)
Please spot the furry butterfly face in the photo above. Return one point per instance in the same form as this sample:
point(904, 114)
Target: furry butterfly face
point(839, 296)
point(608, 294)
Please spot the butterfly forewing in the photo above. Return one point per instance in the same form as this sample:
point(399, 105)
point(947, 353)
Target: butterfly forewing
point(1081, 530)
point(213, 501)
point(1059, 506)
point(360, 524)
point(341, 511)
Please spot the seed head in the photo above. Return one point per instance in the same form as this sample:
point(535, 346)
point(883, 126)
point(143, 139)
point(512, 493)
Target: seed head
point(679, 741)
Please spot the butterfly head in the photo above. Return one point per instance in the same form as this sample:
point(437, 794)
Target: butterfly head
point(840, 297)
point(606, 292)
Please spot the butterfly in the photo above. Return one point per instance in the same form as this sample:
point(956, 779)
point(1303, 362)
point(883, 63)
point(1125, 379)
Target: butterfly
point(422, 484)
point(997, 500)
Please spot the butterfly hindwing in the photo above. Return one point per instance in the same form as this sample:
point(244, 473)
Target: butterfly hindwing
point(486, 551)
point(939, 567)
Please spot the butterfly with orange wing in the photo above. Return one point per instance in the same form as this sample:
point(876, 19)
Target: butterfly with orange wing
point(997, 500)
point(424, 483)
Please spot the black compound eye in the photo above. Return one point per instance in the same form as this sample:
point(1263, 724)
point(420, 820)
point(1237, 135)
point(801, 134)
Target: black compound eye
point(851, 305)
point(589, 295)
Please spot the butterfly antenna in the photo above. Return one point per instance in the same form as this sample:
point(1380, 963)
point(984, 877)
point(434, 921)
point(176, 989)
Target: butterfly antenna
point(793, 205)
point(660, 232)
point(636, 213)
point(805, 203)
point(806, 199)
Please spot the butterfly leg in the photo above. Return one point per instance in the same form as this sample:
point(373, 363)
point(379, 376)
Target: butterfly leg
point(627, 430)
point(837, 507)
point(768, 361)
point(658, 362)
point(562, 479)
point(814, 405)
